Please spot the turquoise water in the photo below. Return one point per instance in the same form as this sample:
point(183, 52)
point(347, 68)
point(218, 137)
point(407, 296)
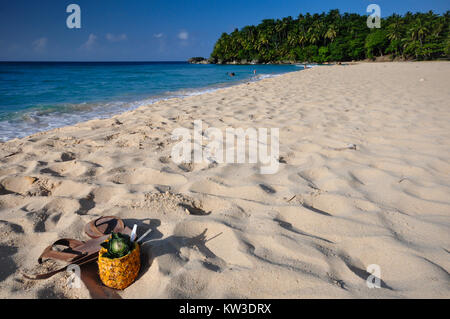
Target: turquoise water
point(40, 96)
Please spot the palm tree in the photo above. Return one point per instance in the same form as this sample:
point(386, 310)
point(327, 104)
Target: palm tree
point(331, 33)
point(394, 32)
point(316, 31)
point(418, 31)
point(438, 26)
point(302, 35)
point(293, 38)
point(263, 42)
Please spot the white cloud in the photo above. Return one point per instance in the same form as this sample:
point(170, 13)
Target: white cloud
point(158, 35)
point(90, 42)
point(183, 35)
point(39, 45)
point(116, 38)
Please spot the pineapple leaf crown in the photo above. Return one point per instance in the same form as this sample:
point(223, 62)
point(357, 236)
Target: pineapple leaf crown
point(117, 246)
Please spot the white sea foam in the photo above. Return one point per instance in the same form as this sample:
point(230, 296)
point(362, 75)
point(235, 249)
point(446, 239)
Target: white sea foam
point(307, 65)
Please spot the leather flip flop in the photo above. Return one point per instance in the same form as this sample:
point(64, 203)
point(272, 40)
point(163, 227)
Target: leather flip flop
point(78, 252)
point(104, 225)
point(69, 254)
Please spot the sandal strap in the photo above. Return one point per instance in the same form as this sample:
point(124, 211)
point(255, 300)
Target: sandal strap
point(112, 224)
point(69, 254)
point(80, 261)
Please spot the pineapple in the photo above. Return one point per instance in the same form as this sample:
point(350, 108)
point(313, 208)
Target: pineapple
point(119, 261)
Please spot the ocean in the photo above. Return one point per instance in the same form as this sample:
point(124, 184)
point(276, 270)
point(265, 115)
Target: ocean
point(38, 96)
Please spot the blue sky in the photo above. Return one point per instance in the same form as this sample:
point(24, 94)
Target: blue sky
point(152, 30)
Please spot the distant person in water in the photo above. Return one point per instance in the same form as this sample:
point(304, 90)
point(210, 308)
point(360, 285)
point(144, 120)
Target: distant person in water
point(254, 72)
point(231, 74)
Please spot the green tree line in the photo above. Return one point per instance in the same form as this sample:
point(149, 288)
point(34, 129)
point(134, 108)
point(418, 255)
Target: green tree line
point(334, 36)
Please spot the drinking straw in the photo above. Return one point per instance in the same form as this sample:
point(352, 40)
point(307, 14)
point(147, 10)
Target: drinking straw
point(145, 234)
point(133, 233)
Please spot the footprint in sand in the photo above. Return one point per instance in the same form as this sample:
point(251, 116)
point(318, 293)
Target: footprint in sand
point(67, 156)
point(149, 176)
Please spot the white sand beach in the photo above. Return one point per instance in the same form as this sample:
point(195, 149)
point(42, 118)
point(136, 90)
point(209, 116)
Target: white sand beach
point(363, 179)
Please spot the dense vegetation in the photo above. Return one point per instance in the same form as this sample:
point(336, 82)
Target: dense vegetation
point(337, 37)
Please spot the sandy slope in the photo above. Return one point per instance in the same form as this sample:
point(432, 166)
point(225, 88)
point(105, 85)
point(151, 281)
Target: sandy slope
point(309, 230)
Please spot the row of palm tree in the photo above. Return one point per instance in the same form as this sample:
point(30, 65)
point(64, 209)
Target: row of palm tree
point(334, 36)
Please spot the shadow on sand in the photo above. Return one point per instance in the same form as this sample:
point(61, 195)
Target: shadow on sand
point(152, 247)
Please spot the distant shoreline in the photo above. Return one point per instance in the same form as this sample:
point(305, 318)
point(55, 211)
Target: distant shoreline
point(386, 58)
point(25, 114)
